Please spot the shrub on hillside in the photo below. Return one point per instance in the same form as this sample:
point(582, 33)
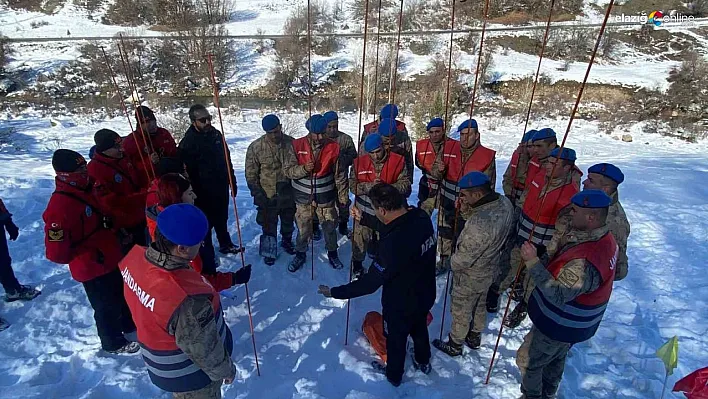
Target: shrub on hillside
point(5, 51)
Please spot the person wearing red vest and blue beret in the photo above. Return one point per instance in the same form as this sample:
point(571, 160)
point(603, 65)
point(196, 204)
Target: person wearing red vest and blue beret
point(542, 143)
point(465, 156)
point(399, 141)
point(185, 341)
point(572, 290)
point(378, 165)
point(312, 165)
point(514, 180)
point(546, 203)
point(427, 151)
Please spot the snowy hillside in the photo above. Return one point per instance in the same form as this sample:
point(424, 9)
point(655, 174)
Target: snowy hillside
point(51, 350)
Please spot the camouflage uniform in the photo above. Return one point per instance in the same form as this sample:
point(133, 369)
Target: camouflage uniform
point(619, 227)
point(447, 221)
point(347, 153)
point(475, 262)
point(541, 359)
point(270, 188)
point(401, 145)
point(194, 328)
point(363, 235)
point(327, 213)
point(430, 200)
point(508, 272)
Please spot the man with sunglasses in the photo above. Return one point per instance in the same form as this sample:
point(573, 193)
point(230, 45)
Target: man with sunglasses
point(379, 165)
point(312, 165)
point(119, 186)
point(427, 151)
point(153, 141)
point(202, 151)
point(271, 190)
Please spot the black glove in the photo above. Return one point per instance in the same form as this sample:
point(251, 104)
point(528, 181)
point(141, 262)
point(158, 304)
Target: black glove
point(12, 230)
point(261, 200)
point(235, 190)
point(243, 275)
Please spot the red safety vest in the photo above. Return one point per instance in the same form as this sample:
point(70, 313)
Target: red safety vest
point(373, 127)
point(153, 295)
point(547, 210)
point(577, 320)
point(480, 161)
point(425, 154)
point(366, 173)
point(324, 189)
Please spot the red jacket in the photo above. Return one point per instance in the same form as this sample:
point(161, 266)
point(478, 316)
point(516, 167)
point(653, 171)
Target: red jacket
point(117, 182)
point(74, 233)
point(220, 281)
point(162, 142)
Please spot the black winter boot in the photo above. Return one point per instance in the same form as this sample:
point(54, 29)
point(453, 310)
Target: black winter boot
point(24, 293)
point(492, 300)
point(448, 347)
point(473, 340)
point(516, 316)
point(297, 262)
point(287, 244)
point(269, 261)
point(334, 260)
point(130, 347)
point(357, 269)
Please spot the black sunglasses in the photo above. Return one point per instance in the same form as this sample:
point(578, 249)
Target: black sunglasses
point(204, 119)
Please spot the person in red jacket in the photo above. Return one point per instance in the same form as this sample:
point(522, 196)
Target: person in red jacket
point(174, 188)
point(117, 183)
point(79, 233)
point(165, 166)
point(154, 141)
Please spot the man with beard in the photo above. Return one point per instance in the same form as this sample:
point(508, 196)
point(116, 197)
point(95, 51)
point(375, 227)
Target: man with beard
point(153, 141)
point(202, 151)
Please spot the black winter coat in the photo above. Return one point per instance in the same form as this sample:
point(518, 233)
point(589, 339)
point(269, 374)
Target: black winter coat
point(404, 265)
point(203, 154)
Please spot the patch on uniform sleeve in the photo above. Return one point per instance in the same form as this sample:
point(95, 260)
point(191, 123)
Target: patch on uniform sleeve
point(118, 178)
point(568, 278)
point(55, 235)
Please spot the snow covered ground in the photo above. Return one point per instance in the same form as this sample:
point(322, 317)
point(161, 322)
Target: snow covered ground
point(51, 350)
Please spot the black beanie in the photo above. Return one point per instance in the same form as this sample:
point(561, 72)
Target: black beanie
point(169, 165)
point(67, 161)
point(105, 139)
point(143, 113)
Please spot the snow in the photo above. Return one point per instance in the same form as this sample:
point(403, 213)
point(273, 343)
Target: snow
point(51, 350)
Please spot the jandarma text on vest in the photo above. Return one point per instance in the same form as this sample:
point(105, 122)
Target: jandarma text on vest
point(146, 299)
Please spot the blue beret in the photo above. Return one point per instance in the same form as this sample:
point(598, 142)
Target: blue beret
point(389, 111)
point(310, 124)
point(387, 127)
point(568, 154)
point(330, 116)
point(435, 122)
point(608, 170)
point(270, 122)
point(545, 133)
point(591, 199)
point(320, 125)
point(469, 123)
point(92, 151)
point(183, 224)
point(528, 135)
point(372, 142)
point(473, 179)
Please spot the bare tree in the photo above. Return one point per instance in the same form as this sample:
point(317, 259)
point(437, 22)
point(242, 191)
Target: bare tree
point(5, 51)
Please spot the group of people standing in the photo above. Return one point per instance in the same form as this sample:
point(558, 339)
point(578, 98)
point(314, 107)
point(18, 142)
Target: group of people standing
point(135, 223)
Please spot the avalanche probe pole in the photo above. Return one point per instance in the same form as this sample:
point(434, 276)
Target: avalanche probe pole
point(232, 183)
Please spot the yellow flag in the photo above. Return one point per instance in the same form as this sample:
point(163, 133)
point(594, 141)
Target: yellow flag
point(668, 353)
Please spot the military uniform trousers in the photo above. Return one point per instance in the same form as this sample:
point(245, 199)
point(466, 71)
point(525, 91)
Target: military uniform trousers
point(541, 361)
point(211, 391)
point(468, 304)
point(328, 219)
point(267, 218)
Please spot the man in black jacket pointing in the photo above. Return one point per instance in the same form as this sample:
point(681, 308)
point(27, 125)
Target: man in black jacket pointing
point(405, 267)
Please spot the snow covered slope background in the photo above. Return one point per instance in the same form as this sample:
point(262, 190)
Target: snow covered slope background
point(51, 349)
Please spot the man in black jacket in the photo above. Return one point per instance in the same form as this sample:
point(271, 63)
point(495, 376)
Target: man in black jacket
point(405, 267)
point(202, 151)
